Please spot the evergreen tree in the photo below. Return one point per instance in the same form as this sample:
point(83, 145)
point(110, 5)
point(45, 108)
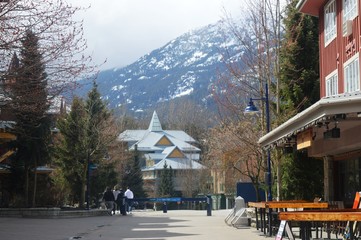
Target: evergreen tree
point(299, 89)
point(166, 186)
point(133, 177)
point(98, 141)
point(69, 152)
point(86, 135)
point(30, 105)
point(299, 62)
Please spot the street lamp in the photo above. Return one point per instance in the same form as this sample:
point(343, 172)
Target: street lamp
point(251, 108)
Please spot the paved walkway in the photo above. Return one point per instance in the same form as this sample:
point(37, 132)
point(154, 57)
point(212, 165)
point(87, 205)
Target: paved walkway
point(178, 224)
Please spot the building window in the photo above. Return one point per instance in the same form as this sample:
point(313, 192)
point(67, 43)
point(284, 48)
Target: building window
point(349, 9)
point(330, 21)
point(332, 84)
point(352, 75)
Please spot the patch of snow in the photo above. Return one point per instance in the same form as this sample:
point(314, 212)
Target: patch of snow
point(196, 56)
point(184, 93)
point(117, 88)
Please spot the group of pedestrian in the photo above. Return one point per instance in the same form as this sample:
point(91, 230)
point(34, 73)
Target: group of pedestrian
point(116, 200)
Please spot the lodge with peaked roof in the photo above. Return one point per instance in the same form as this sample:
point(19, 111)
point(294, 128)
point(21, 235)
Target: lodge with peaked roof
point(158, 147)
point(331, 128)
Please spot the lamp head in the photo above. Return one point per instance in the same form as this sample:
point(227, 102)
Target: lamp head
point(251, 108)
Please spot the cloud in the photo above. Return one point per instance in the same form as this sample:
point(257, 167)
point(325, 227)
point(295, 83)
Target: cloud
point(121, 31)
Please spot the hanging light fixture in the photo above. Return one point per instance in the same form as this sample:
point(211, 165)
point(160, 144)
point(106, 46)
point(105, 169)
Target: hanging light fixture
point(251, 108)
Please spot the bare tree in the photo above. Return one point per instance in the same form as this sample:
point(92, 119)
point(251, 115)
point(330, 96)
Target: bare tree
point(233, 154)
point(258, 35)
point(61, 40)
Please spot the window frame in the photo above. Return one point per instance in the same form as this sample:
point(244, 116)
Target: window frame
point(352, 13)
point(330, 22)
point(331, 84)
point(352, 84)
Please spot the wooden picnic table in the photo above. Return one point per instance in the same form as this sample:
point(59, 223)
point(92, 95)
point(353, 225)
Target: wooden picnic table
point(330, 215)
point(322, 215)
point(262, 207)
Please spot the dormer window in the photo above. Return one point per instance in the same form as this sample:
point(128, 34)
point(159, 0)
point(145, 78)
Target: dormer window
point(330, 22)
point(349, 10)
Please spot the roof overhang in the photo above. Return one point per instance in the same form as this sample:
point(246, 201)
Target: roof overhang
point(326, 107)
point(310, 7)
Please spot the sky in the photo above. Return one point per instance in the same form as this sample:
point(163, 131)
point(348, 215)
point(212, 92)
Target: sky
point(121, 31)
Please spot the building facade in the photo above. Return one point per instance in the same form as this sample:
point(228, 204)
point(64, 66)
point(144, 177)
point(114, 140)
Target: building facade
point(330, 130)
point(157, 147)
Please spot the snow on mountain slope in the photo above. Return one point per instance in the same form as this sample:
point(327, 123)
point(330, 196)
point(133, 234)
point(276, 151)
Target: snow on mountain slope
point(184, 68)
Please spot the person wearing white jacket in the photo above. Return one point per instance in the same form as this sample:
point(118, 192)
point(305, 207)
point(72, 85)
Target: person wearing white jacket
point(129, 195)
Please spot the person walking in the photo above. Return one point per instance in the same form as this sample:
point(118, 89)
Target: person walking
point(108, 198)
point(121, 203)
point(116, 193)
point(129, 195)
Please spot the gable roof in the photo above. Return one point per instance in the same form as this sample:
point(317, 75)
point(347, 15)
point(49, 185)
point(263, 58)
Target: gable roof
point(164, 141)
point(156, 139)
point(174, 152)
point(178, 164)
point(151, 139)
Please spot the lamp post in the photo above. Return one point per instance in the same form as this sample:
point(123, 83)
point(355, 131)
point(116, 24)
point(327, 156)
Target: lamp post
point(251, 108)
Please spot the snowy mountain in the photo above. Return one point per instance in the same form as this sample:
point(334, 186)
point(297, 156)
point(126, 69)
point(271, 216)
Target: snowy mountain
point(185, 68)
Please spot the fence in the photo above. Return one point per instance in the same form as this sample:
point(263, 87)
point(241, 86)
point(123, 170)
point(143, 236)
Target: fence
point(206, 200)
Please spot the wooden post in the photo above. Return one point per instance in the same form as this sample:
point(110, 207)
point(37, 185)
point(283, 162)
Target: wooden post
point(327, 179)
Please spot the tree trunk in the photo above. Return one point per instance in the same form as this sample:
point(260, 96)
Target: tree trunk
point(33, 204)
point(83, 187)
point(26, 190)
point(256, 188)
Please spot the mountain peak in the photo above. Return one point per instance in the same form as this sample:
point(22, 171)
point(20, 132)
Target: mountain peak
point(184, 68)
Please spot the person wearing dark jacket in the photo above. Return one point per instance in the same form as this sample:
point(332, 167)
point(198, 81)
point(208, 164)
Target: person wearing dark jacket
point(108, 198)
point(121, 202)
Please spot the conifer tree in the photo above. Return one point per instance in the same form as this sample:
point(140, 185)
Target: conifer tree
point(86, 134)
point(70, 154)
point(299, 71)
point(99, 135)
point(166, 187)
point(299, 89)
point(133, 177)
point(29, 102)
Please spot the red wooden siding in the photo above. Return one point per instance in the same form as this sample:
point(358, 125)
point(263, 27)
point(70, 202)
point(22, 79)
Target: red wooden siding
point(341, 49)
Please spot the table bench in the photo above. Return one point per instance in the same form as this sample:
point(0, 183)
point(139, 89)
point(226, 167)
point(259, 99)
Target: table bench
point(280, 206)
point(332, 215)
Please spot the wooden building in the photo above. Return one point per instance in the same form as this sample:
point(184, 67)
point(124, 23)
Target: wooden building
point(158, 147)
point(331, 128)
